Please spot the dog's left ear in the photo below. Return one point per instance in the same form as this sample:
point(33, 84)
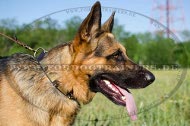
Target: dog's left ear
point(108, 25)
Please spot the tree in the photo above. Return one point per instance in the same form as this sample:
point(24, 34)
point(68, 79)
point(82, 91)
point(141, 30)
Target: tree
point(160, 52)
point(185, 35)
point(71, 28)
point(133, 47)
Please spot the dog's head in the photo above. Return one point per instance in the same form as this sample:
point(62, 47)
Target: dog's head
point(110, 72)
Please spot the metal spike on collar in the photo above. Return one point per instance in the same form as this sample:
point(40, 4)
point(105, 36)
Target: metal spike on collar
point(70, 95)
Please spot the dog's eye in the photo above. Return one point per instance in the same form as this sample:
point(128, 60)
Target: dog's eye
point(117, 56)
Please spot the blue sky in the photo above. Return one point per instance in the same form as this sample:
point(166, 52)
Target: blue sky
point(25, 11)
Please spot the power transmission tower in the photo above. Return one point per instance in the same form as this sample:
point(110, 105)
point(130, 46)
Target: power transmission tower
point(170, 13)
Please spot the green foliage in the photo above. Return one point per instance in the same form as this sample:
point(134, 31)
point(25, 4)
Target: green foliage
point(143, 48)
point(71, 27)
point(160, 52)
point(133, 47)
point(119, 32)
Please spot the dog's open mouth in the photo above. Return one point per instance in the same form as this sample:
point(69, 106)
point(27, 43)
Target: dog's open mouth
point(117, 95)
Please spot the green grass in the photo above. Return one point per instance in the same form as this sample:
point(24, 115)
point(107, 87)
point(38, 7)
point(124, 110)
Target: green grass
point(175, 111)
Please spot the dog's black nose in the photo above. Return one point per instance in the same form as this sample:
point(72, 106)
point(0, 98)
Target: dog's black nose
point(149, 77)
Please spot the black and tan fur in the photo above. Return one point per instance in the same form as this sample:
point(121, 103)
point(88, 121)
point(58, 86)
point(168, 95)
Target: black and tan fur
point(28, 98)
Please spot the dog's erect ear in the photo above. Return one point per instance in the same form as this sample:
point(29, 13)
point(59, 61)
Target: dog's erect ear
point(108, 25)
point(91, 24)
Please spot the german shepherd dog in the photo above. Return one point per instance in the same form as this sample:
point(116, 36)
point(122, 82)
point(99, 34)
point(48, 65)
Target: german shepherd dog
point(31, 95)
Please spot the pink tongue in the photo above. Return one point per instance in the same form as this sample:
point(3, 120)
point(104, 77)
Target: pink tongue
point(130, 104)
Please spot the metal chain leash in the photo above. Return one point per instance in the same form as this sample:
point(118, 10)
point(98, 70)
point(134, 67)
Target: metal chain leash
point(24, 45)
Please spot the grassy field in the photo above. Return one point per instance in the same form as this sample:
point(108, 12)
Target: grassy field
point(175, 111)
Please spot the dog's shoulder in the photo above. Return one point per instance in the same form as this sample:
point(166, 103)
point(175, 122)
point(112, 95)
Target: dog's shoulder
point(3, 62)
point(17, 57)
point(16, 60)
point(21, 57)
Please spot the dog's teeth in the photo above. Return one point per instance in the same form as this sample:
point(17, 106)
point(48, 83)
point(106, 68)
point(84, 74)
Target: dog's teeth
point(114, 89)
point(107, 82)
point(123, 98)
point(110, 86)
